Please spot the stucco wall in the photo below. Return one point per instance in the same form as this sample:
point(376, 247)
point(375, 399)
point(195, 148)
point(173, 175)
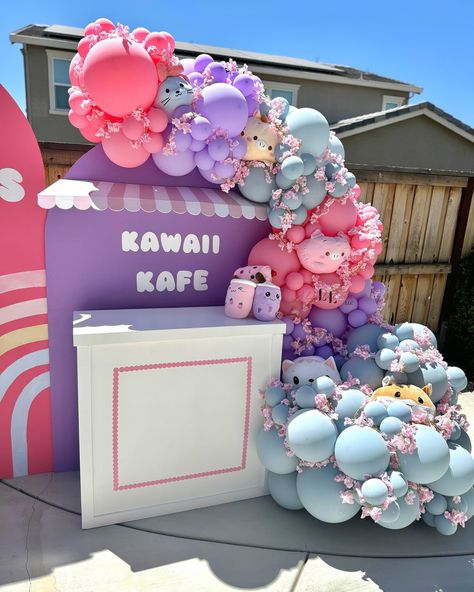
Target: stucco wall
point(417, 142)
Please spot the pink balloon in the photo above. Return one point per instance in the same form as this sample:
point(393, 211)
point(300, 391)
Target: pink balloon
point(140, 34)
point(294, 280)
point(357, 284)
point(378, 248)
point(341, 216)
point(101, 24)
point(331, 293)
point(79, 121)
point(163, 41)
point(287, 294)
point(84, 45)
point(132, 128)
point(367, 272)
point(78, 103)
point(158, 119)
point(89, 133)
point(296, 234)
point(356, 191)
point(155, 144)
point(305, 294)
point(119, 150)
point(76, 75)
point(267, 252)
point(307, 276)
point(120, 76)
point(310, 228)
point(175, 165)
point(359, 243)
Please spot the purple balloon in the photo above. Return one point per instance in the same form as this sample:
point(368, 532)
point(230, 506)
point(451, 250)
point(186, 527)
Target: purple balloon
point(299, 332)
point(308, 351)
point(252, 106)
point(200, 128)
point(378, 288)
point(175, 165)
point(224, 171)
point(182, 141)
point(333, 320)
point(188, 65)
point(366, 290)
point(245, 84)
point(368, 305)
point(289, 325)
point(287, 341)
point(203, 160)
point(349, 305)
point(218, 149)
point(225, 107)
point(217, 71)
point(195, 79)
point(325, 351)
point(211, 176)
point(181, 110)
point(202, 61)
point(197, 145)
point(241, 148)
point(357, 318)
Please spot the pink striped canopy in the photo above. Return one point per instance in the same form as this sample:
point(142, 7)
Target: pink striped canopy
point(103, 195)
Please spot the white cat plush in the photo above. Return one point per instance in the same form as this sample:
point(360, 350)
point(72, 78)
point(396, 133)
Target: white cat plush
point(305, 370)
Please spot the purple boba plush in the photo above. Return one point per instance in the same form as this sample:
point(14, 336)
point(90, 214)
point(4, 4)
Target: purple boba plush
point(266, 302)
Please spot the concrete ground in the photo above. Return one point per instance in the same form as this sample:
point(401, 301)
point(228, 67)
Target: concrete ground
point(252, 545)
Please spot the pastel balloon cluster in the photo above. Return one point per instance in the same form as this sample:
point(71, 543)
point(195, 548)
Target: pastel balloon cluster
point(339, 449)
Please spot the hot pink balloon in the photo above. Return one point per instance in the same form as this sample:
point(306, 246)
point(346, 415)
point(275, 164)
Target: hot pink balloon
point(356, 191)
point(120, 76)
point(359, 243)
point(101, 24)
point(367, 272)
point(357, 284)
point(296, 234)
point(132, 128)
point(267, 252)
point(119, 150)
point(155, 144)
point(89, 133)
point(79, 103)
point(163, 41)
point(158, 119)
point(341, 216)
point(79, 121)
point(140, 34)
point(76, 75)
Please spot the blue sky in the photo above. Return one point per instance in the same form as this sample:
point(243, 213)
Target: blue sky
point(425, 42)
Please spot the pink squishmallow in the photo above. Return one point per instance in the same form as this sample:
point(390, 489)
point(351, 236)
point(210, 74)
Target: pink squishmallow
point(323, 254)
point(255, 273)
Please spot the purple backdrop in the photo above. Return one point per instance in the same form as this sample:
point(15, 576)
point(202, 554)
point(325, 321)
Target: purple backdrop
point(87, 269)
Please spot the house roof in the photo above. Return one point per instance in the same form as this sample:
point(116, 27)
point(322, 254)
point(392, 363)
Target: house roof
point(370, 121)
point(65, 37)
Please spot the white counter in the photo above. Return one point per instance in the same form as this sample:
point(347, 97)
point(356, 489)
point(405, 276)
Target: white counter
point(169, 409)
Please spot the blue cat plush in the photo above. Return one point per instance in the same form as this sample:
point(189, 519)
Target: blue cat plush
point(305, 370)
point(173, 92)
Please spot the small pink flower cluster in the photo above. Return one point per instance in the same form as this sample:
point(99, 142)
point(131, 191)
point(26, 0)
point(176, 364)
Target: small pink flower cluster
point(456, 517)
point(404, 442)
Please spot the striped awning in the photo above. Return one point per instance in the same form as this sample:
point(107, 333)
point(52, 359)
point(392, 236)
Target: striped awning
point(103, 195)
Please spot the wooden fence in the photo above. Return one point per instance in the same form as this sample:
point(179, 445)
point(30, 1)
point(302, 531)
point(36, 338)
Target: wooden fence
point(422, 220)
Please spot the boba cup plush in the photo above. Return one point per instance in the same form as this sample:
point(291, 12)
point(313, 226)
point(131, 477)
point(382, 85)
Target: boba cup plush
point(239, 298)
point(266, 302)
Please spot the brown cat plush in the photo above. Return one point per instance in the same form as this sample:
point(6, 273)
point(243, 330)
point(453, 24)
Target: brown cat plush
point(408, 393)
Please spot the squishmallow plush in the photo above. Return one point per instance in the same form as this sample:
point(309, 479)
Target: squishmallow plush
point(260, 139)
point(305, 370)
point(172, 93)
point(409, 394)
point(323, 254)
point(254, 273)
point(266, 302)
point(239, 299)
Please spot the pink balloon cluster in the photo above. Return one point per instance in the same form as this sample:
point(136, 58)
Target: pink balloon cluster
point(115, 76)
point(326, 261)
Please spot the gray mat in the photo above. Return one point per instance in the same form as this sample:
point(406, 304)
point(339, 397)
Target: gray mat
point(260, 522)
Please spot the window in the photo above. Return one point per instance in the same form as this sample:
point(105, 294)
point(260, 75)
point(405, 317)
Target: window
point(392, 102)
point(58, 73)
point(283, 89)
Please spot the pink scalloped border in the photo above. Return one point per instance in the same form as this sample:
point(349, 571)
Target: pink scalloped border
point(115, 401)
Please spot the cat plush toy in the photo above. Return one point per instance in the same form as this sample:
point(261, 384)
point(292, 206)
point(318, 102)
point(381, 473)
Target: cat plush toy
point(305, 370)
point(323, 254)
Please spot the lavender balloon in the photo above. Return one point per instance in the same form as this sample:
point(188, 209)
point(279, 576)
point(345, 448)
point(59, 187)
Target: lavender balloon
point(200, 128)
point(202, 61)
point(225, 107)
point(266, 302)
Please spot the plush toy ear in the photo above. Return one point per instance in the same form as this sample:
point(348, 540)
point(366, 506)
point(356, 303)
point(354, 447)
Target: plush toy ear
point(331, 363)
point(286, 364)
point(428, 389)
point(387, 380)
point(317, 233)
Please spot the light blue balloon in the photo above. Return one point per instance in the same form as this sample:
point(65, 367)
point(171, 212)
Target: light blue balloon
point(392, 513)
point(351, 179)
point(456, 377)
point(274, 395)
point(398, 377)
point(438, 505)
point(408, 514)
point(428, 518)
point(309, 163)
point(468, 497)
point(280, 150)
point(286, 107)
point(429, 461)
point(404, 331)
point(408, 344)
point(311, 127)
point(292, 167)
point(399, 483)
point(453, 399)
point(272, 453)
point(361, 451)
point(275, 217)
point(456, 432)
point(434, 374)
point(301, 214)
point(304, 397)
point(366, 371)
point(409, 362)
point(283, 490)
point(460, 506)
point(459, 476)
point(255, 186)
point(339, 190)
point(347, 406)
point(324, 385)
point(293, 202)
point(282, 181)
point(465, 441)
point(445, 526)
point(365, 335)
point(280, 414)
point(374, 491)
point(316, 194)
point(388, 340)
point(376, 411)
point(421, 330)
point(400, 410)
point(312, 435)
point(331, 169)
point(391, 426)
point(320, 495)
point(384, 358)
point(336, 147)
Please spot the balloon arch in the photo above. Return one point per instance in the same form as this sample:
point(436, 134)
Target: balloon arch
point(365, 417)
